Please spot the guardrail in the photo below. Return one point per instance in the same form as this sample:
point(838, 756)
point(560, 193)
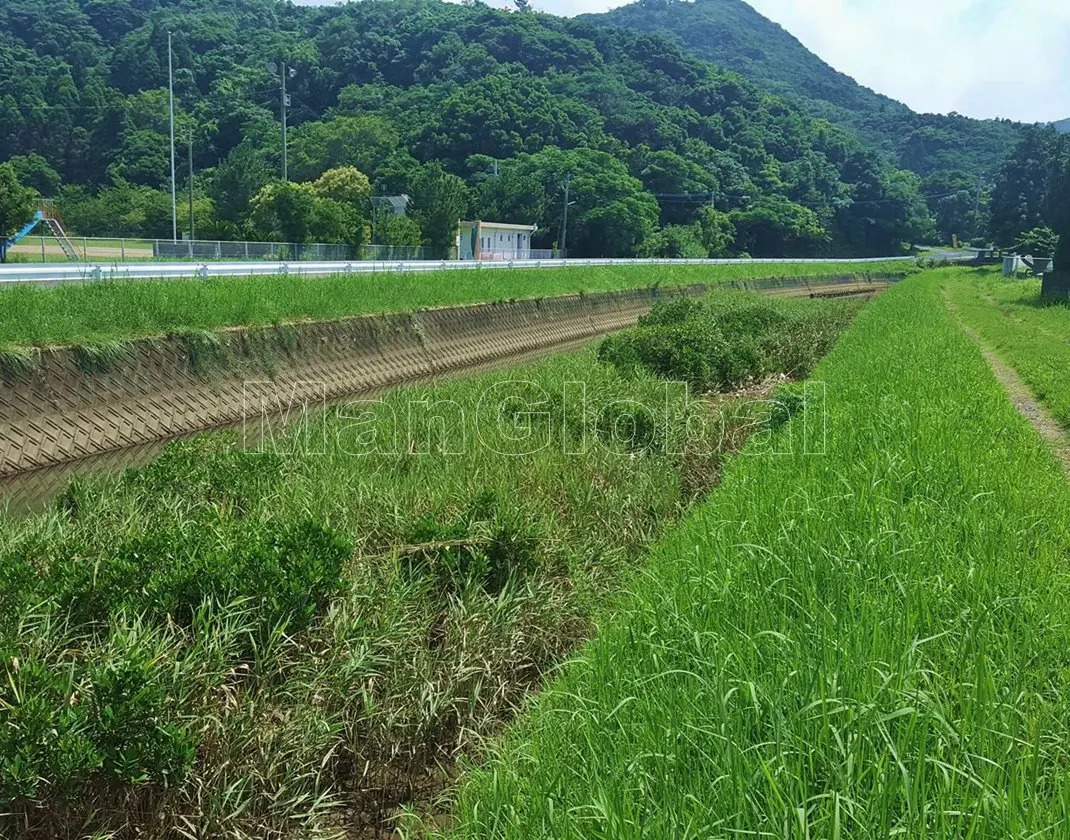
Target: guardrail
point(57, 273)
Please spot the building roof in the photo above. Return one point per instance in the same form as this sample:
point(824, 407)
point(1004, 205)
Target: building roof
point(398, 203)
point(504, 226)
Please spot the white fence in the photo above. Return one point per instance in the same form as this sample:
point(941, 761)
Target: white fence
point(56, 273)
point(517, 254)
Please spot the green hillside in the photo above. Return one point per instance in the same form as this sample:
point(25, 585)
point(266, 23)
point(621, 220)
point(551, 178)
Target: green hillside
point(732, 34)
point(467, 109)
point(1063, 126)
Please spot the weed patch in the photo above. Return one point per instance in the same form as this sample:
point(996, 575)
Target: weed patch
point(729, 339)
point(238, 643)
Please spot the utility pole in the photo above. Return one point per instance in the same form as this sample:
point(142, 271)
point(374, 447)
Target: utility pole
point(284, 103)
point(171, 108)
point(191, 234)
point(564, 221)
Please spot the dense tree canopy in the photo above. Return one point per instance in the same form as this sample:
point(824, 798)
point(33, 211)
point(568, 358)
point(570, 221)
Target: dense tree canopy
point(667, 153)
point(732, 34)
point(1021, 189)
point(1032, 195)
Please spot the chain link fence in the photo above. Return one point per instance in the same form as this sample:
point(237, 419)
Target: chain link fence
point(47, 249)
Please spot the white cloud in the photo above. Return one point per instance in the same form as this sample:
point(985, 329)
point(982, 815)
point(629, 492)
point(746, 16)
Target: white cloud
point(984, 58)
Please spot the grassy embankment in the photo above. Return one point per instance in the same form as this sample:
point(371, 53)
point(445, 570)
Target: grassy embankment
point(119, 310)
point(868, 643)
point(1028, 333)
point(229, 644)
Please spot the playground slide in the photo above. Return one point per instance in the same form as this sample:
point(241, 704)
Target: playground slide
point(45, 215)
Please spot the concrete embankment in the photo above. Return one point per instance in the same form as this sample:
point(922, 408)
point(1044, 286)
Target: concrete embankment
point(84, 402)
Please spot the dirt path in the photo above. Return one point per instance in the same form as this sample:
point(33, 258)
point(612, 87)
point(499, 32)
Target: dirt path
point(1020, 394)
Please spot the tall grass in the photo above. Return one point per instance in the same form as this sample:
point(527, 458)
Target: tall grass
point(110, 309)
point(1029, 333)
point(281, 642)
point(868, 643)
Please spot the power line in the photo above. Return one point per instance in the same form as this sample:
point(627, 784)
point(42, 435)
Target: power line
point(704, 198)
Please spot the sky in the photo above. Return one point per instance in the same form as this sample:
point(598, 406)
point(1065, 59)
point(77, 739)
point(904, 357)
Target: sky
point(982, 58)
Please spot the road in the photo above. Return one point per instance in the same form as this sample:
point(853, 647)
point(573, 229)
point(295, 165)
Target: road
point(50, 274)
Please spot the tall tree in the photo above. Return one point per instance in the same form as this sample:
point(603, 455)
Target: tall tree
point(776, 226)
point(236, 180)
point(16, 205)
point(1057, 207)
point(439, 201)
point(531, 189)
point(1022, 186)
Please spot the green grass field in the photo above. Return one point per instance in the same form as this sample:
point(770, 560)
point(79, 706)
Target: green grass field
point(867, 643)
point(111, 310)
point(857, 628)
point(31, 250)
point(1029, 334)
point(229, 643)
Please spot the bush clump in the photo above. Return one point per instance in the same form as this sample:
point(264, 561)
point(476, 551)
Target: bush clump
point(487, 546)
point(284, 571)
point(728, 339)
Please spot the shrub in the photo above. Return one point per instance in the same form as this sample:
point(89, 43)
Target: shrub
point(286, 571)
point(93, 724)
point(487, 546)
point(208, 468)
point(729, 339)
point(192, 543)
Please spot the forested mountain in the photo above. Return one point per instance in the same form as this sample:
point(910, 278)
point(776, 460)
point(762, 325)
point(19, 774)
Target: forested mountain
point(1063, 126)
point(732, 34)
point(668, 154)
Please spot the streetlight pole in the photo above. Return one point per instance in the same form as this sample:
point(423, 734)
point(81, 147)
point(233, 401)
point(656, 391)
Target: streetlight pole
point(171, 109)
point(191, 234)
point(564, 222)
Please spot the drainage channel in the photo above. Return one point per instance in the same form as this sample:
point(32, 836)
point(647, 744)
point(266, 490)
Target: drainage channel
point(29, 491)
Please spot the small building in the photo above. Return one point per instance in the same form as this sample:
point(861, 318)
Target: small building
point(396, 205)
point(494, 241)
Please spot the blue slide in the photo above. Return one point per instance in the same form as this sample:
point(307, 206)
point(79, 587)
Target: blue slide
point(38, 217)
